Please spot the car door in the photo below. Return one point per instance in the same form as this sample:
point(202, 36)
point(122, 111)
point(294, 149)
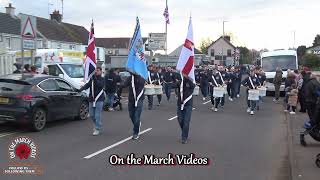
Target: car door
point(71, 98)
point(55, 99)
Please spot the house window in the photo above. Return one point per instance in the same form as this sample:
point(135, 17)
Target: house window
point(116, 52)
point(72, 46)
point(7, 42)
point(212, 52)
point(229, 53)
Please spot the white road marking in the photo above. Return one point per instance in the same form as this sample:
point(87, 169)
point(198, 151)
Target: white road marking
point(8, 134)
point(206, 102)
point(172, 118)
point(114, 145)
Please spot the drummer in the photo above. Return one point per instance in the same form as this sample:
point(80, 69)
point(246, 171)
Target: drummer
point(224, 79)
point(159, 81)
point(168, 79)
point(215, 81)
point(251, 82)
point(152, 78)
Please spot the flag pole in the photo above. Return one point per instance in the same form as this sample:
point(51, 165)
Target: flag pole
point(166, 50)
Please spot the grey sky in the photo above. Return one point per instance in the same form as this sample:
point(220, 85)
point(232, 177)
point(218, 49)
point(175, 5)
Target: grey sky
point(254, 23)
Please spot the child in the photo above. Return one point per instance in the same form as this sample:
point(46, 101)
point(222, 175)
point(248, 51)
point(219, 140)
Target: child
point(292, 99)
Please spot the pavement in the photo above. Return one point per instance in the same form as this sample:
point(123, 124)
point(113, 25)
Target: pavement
point(238, 145)
point(302, 158)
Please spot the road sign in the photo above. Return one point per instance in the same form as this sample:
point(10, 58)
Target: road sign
point(28, 31)
point(157, 41)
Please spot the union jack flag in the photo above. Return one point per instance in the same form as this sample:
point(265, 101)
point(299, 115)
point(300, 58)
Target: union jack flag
point(166, 15)
point(90, 62)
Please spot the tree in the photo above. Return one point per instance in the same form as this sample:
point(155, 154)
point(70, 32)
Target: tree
point(204, 44)
point(316, 40)
point(301, 51)
point(311, 60)
point(244, 55)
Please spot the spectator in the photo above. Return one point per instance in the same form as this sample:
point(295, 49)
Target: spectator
point(27, 68)
point(33, 70)
point(45, 71)
point(18, 68)
point(277, 83)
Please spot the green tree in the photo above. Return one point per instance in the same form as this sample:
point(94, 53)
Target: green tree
point(204, 44)
point(244, 55)
point(301, 51)
point(316, 40)
point(311, 61)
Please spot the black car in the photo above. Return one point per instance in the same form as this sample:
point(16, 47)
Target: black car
point(36, 99)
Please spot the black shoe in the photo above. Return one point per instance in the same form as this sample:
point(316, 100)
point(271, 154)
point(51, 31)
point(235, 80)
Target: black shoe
point(184, 141)
point(135, 137)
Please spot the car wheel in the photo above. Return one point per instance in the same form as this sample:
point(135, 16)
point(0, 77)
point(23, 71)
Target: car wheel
point(83, 111)
point(39, 119)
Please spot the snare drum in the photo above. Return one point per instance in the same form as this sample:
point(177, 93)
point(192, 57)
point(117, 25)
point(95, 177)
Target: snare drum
point(225, 89)
point(218, 91)
point(253, 95)
point(262, 91)
point(149, 89)
point(158, 90)
point(196, 91)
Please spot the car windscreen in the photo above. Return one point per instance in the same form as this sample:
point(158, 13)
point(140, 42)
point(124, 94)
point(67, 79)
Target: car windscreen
point(13, 85)
point(270, 64)
point(73, 70)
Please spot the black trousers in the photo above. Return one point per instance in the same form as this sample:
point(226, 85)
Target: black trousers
point(302, 103)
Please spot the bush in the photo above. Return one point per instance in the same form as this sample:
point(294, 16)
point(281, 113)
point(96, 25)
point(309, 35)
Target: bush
point(311, 61)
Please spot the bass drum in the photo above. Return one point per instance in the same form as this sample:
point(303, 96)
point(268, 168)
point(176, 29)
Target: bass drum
point(315, 133)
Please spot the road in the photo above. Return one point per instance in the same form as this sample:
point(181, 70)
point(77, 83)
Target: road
point(238, 145)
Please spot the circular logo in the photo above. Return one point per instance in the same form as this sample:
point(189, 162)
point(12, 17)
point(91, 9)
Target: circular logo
point(22, 149)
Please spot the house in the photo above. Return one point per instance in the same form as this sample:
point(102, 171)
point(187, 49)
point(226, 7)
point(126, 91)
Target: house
point(221, 52)
point(314, 50)
point(51, 33)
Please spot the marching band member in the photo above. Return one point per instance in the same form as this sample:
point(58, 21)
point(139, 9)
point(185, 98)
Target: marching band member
point(184, 105)
point(237, 81)
point(159, 81)
point(204, 79)
point(224, 78)
point(251, 82)
point(230, 86)
point(215, 81)
point(152, 78)
point(168, 79)
point(135, 103)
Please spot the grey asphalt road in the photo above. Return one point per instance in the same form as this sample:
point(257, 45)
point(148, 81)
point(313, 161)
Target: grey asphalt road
point(238, 145)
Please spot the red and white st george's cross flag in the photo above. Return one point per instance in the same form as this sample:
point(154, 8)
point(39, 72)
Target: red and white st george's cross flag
point(90, 62)
point(186, 59)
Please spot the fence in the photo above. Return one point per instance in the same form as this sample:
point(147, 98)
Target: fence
point(6, 64)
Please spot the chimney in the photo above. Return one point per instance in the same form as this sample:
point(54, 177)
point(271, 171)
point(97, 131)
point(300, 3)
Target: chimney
point(56, 16)
point(227, 38)
point(10, 10)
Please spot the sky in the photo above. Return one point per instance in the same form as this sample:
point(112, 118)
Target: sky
point(256, 24)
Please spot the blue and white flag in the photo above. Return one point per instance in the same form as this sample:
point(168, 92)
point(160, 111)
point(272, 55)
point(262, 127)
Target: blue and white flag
point(136, 58)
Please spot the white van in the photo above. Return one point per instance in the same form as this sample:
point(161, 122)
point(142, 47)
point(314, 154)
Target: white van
point(284, 59)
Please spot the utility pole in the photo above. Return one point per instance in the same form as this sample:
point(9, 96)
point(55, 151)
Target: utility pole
point(62, 10)
point(224, 62)
point(166, 50)
point(49, 4)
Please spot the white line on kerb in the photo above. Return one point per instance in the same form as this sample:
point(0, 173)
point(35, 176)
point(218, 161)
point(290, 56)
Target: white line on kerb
point(206, 102)
point(7, 134)
point(172, 118)
point(114, 145)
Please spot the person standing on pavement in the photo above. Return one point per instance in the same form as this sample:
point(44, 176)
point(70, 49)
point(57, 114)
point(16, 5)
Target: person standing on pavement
point(301, 82)
point(185, 88)
point(277, 83)
point(311, 91)
point(251, 82)
point(168, 82)
point(135, 103)
point(96, 99)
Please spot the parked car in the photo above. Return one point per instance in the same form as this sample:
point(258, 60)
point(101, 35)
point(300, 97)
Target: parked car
point(37, 99)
